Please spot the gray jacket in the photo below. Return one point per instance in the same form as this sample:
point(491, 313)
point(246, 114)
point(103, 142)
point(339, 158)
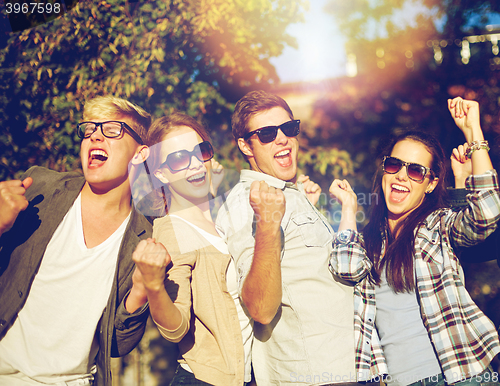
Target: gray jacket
point(22, 248)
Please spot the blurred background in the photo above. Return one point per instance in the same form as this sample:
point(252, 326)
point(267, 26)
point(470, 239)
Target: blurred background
point(354, 73)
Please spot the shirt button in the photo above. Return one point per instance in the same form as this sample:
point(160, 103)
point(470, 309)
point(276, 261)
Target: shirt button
point(20, 293)
point(2, 322)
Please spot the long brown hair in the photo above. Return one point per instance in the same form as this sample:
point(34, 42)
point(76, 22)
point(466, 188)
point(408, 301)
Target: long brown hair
point(398, 258)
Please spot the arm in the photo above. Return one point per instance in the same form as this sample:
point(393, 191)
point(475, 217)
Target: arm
point(476, 221)
point(261, 291)
point(216, 176)
point(151, 259)
point(348, 259)
point(12, 201)
point(461, 165)
point(342, 191)
point(465, 113)
point(312, 190)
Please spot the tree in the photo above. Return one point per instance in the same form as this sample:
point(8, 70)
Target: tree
point(195, 56)
point(406, 72)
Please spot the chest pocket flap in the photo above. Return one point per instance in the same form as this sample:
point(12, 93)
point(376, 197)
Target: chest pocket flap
point(312, 229)
point(429, 243)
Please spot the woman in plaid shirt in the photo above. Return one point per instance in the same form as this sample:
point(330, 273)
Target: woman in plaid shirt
point(414, 319)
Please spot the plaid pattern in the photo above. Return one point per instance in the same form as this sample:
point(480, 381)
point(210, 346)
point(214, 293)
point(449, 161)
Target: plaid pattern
point(464, 339)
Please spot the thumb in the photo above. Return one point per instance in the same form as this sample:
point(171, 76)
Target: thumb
point(27, 182)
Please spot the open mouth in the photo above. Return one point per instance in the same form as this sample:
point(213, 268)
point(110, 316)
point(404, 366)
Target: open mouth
point(97, 157)
point(284, 157)
point(398, 193)
point(197, 179)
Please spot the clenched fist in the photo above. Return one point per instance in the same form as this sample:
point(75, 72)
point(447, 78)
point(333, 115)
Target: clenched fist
point(268, 203)
point(151, 259)
point(12, 201)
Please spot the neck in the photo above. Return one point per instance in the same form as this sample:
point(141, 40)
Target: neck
point(192, 210)
point(116, 200)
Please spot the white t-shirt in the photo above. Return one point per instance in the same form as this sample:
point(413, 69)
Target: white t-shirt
point(54, 336)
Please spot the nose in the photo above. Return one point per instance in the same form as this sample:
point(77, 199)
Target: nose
point(97, 134)
point(281, 138)
point(195, 163)
point(402, 174)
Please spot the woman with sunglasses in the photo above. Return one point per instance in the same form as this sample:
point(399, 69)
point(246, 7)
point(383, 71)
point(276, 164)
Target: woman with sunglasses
point(194, 301)
point(414, 319)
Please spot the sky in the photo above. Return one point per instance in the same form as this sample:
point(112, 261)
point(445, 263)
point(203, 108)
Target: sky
point(321, 53)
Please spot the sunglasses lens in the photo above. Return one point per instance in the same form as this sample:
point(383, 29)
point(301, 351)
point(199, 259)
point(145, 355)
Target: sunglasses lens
point(416, 172)
point(267, 134)
point(206, 150)
point(392, 165)
point(178, 160)
point(290, 129)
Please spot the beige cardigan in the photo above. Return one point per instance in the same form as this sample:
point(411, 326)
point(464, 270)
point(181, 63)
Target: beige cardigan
point(209, 336)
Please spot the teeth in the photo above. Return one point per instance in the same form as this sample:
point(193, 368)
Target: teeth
point(196, 176)
point(282, 153)
point(97, 153)
point(400, 188)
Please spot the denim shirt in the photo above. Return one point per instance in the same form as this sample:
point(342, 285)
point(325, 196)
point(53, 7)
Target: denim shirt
point(311, 338)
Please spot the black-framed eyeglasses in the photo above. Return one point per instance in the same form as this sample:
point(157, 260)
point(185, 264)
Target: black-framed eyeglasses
point(110, 129)
point(181, 159)
point(268, 134)
point(415, 172)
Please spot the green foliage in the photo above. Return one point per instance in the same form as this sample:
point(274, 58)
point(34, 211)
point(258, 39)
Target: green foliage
point(194, 56)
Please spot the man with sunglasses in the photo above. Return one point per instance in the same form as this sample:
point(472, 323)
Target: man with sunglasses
point(66, 242)
point(281, 246)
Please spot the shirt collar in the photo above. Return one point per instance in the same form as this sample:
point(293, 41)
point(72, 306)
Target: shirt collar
point(252, 175)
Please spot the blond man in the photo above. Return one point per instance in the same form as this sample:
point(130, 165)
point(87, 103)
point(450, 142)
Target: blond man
point(66, 242)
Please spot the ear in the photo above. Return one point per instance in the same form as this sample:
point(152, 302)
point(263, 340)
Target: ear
point(432, 185)
point(141, 155)
point(245, 147)
point(159, 174)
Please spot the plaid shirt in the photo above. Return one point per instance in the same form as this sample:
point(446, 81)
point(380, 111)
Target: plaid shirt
point(464, 339)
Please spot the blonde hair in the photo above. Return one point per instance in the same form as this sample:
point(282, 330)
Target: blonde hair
point(113, 106)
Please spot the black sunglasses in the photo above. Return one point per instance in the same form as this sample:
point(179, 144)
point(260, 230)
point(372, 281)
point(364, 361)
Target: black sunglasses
point(181, 159)
point(110, 129)
point(268, 134)
point(415, 172)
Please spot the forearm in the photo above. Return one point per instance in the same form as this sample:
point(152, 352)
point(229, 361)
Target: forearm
point(480, 158)
point(261, 290)
point(348, 218)
point(163, 311)
point(136, 299)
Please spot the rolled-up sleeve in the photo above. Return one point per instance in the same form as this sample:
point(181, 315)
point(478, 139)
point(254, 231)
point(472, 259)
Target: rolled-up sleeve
point(478, 220)
point(348, 259)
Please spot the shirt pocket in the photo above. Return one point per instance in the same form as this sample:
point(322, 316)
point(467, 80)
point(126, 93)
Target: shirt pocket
point(312, 229)
point(429, 241)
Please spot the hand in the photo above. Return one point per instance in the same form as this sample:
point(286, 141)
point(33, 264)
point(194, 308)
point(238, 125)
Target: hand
point(313, 190)
point(151, 259)
point(12, 201)
point(342, 191)
point(465, 113)
point(268, 203)
point(216, 177)
point(461, 165)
